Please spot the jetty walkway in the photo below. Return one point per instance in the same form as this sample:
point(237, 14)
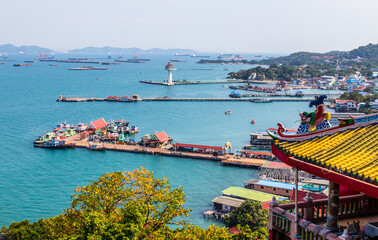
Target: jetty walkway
point(226, 159)
point(167, 99)
point(227, 81)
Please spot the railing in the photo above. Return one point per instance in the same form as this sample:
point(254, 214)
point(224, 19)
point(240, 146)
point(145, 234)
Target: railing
point(282, 219)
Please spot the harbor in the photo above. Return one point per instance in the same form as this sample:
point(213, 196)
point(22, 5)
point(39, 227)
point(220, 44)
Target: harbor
point(167, 99)
point(228, 81)
point(100, 136)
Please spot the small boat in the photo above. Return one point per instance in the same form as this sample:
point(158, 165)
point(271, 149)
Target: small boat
point(21, 64)
point(96, 146)
point(228, 112)
point(53, 65)
point(58, 144)
point(262, 100)
point(81, 127)
point(253, 121)
point(41, 140)
point(234, 94)
point(134, 129)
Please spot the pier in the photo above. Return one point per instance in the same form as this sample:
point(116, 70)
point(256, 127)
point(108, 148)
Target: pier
point(226, 159)
point(166, 99)
point(229, 81)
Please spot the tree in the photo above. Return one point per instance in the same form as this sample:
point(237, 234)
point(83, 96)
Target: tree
point(250, 214)
point(123, 205)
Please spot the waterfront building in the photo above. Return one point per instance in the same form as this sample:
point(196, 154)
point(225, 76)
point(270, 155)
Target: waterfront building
point(272, 187)
point(244, 194)
point(98, 124)
point(226, 204)
point(315, 185)
point(342, 105)
point(160, 139)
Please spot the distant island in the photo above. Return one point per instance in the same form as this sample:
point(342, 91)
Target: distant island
point(364, 55)
point(11, 49)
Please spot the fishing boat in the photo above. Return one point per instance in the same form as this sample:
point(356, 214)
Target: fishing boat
point(58, 144)
point(262, 100)
point(121, 138)
point(134, 129)
point(228, 112)
point(81, 127)
point(234, 94)
point(41, 140)
point(177, 60)
point(96, 146)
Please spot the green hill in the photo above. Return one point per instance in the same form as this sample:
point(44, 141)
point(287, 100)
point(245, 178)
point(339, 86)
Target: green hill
point(368, 55)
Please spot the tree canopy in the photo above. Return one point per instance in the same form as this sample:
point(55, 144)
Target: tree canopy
point(122, 205)
point(251, 215)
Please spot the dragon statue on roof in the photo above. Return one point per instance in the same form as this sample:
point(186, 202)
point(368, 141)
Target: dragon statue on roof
point(317, 120)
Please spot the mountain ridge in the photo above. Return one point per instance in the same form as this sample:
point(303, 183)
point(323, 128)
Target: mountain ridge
point(10, 48)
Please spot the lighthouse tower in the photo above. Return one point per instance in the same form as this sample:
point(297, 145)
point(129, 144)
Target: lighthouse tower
point(169, 67)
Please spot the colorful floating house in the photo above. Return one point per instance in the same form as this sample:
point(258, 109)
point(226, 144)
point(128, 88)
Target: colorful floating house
point(344, 155)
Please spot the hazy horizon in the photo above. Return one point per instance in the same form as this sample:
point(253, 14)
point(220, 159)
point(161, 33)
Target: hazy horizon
point(243, 26)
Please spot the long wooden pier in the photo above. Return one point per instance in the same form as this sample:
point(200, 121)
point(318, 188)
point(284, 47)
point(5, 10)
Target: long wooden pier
point(227, 81)
point(226, 159)
point(163, 99)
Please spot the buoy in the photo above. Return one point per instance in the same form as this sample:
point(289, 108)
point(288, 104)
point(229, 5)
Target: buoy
point(253, 121)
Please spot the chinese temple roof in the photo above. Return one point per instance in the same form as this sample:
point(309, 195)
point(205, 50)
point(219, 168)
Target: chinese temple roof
point(346, 154)
point(353, 152)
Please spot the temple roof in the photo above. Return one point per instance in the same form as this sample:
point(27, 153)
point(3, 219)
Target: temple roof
point(353, 152)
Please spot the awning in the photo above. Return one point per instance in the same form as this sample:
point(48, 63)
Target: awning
point(229, 201)
point(198, 146)
point(260, 153)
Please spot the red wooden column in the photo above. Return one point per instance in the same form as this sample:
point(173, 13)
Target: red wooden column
point(333, 206)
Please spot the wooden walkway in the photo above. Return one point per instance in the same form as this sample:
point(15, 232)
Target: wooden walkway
point(160, 99)
point(224, 159)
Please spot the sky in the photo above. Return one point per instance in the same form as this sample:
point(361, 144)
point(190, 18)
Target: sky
point(230, 26)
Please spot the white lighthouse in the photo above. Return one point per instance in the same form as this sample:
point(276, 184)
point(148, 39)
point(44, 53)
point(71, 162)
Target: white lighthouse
point(169, 67)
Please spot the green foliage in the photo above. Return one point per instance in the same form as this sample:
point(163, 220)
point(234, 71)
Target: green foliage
point(272, 73)
point(355, 96)
point(250, 214)
point(129, 205)
point(246, 233)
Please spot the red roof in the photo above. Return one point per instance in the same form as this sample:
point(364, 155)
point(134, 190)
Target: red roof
point(234, 230)
point(278, 165)
point(100, 123)
point(265, 205)
point(302, 194)
point(260, 153)
point(198, 146)
point(342, 101)
point(162, 136)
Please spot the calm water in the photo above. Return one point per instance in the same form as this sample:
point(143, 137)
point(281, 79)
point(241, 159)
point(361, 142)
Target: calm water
point(37, 183)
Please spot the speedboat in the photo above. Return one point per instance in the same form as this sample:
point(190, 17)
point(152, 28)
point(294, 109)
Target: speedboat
point(96, 146)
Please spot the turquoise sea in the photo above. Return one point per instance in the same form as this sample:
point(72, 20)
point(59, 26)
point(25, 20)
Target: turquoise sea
point(37, 183)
